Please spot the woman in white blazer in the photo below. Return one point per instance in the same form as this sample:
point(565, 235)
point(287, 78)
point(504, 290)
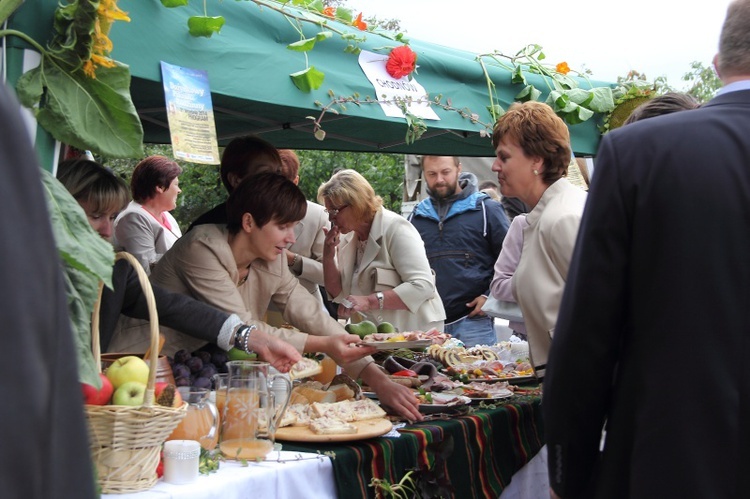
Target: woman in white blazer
point(374, 260)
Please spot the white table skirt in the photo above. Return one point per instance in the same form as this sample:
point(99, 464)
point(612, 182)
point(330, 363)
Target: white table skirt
point(531, 481)
point(311, 478)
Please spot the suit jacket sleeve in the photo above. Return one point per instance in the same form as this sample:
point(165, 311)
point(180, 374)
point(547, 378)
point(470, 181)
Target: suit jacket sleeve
point(405, 248)
point(594, 291)
point(312, 266)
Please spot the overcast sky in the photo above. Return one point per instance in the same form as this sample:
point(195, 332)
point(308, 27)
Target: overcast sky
point(654, 37)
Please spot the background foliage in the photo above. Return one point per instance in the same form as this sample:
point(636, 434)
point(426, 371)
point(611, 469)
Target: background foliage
point(202, 188)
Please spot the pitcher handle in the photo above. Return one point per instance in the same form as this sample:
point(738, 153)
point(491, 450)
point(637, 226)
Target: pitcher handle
point(215, 416)
point(280, 412)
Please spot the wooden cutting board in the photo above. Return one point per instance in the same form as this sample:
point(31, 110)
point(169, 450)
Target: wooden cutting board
point(365, 429)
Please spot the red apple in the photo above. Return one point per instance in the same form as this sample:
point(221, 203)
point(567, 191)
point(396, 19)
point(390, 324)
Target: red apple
point(159, 387)
point(101, 396)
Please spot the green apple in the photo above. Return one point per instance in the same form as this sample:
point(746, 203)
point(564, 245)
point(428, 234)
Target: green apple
point(237, 354)
point(386, 327)
point(362, 329)
point(130, 393)
point(128, 368)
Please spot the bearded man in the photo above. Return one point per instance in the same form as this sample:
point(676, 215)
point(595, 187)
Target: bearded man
point(463, 232)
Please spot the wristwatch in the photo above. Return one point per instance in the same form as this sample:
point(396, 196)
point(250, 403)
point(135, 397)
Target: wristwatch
point(380, 297)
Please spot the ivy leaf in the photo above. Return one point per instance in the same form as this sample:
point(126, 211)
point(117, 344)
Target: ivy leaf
point(530, 92)
point(518, 76)
point(308, 79)
point(578, 115)
point(94, 114)
point(303, 45)
point(204, 25)
point(602, 101)
point(174, 3)
point(580, 96)
point(345, 15)
point(323, 35)
point(87, 259)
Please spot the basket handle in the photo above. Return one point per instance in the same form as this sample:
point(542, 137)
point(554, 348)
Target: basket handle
point(148, 400)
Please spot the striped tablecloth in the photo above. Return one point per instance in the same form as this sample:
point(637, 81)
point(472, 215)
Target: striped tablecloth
point(489, 446)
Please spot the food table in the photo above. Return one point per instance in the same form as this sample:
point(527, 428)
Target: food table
point(489, 446)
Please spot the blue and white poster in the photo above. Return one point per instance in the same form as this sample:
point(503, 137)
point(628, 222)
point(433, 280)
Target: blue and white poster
point(190, 114)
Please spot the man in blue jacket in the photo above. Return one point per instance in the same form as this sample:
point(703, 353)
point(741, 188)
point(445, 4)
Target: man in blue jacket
point(463, 232)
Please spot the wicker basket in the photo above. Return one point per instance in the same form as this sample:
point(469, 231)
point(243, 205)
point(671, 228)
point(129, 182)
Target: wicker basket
point(126, 441)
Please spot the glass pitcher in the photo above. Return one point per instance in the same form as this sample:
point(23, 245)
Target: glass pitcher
point(251, 414)
point(201, 423)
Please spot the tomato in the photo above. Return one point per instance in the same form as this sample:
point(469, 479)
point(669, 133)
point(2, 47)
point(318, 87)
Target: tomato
point(407, 373)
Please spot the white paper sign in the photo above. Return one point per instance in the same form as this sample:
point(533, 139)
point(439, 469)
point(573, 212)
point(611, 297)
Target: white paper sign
point(388, 89)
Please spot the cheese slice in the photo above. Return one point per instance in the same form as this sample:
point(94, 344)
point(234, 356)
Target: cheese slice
point(331, 426)
point(348, 410)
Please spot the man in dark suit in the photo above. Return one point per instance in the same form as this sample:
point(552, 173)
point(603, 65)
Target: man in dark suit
point(44, 451)
point(653, 335)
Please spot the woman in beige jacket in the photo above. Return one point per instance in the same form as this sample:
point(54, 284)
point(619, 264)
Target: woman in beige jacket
point(240, 267)
point(374, 260)
point(532, 145)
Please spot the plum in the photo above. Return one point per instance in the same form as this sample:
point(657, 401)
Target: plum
point(180, 371)
point(182, 381)
point(208, 370)
point(181, 356)
point(195, 364)
point(219, 358)
point(201, 382)
point(204, 356)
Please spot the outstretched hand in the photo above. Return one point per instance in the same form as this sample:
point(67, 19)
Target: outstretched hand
point(342, 348)
point(275, 351)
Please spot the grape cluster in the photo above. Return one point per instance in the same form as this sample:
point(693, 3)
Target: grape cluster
point(197, 368)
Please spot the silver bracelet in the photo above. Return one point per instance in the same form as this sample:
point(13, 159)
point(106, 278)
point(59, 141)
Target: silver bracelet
point(294, 260)
point(242, 338)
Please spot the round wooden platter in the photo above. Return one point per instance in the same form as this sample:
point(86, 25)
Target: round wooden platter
point(365, 429)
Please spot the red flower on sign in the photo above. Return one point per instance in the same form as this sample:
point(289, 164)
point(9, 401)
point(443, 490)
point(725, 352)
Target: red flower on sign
point(359, 23)
point(562, 68)
point(401, 62)
point(329, 11)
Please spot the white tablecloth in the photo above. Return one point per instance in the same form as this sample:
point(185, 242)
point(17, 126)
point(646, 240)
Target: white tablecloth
point(531, 481)
point(310, 477)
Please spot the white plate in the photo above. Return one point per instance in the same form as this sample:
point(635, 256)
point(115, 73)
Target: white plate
point(437, 406)
point(394, 345)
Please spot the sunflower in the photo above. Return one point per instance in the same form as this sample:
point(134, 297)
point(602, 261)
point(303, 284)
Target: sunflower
point(106, 14)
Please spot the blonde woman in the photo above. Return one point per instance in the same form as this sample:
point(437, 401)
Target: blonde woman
point(374, 261)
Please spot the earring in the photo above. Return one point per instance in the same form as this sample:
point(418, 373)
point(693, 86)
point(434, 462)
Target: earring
point(536, 172)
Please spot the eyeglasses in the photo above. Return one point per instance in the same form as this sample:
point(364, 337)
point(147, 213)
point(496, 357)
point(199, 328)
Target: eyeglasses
point(333, 212)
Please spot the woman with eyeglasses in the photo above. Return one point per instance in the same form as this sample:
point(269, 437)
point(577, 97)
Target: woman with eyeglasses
point(374, 261)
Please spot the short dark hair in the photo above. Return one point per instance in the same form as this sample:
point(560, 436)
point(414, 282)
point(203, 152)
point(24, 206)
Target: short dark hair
point(734, 42)
point(266, 196)
point(240, 153)
point(539, 132)
point(668, 103)
point(289, 164)
point(150, 173)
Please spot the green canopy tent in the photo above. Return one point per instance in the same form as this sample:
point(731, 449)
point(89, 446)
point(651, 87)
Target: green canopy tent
point(249, 64)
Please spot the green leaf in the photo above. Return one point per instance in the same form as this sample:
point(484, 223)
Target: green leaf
point(323, 35)
point(530, 92)
point(94, 114)
point(345, 15)
point(87, 259)
point(580, 96)
point(74, 29)
point(518, 76)
point(302, 45)
point(602, 101)
point(577, 115)
point(308, 79)
point(204, 25)
point(174, 3)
